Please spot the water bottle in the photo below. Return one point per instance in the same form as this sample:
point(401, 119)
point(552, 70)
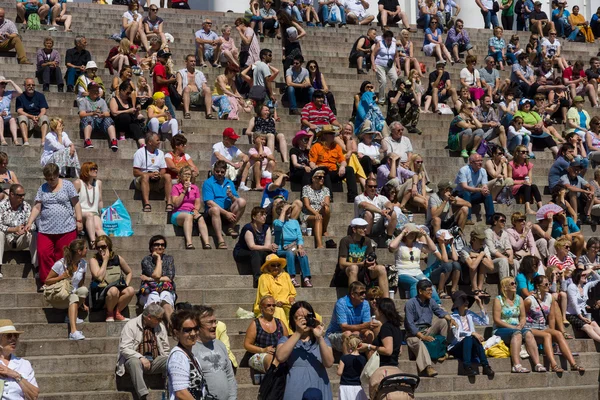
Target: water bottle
point(303, 227)
point(410, 217)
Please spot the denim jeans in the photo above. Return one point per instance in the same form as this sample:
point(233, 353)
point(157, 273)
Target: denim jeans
point(72, 75)
point(295, 11)
point(490, 17)
point(292, 91)
point(325, 13)
point(444, 268)
point(517, 141)
point(172, 108)
point(511, 58)
point(573, 34)
point(497, 55)
point(478, 198)
point(409, 282)
point(291, 259)
point(562, 27)
point(464, 351)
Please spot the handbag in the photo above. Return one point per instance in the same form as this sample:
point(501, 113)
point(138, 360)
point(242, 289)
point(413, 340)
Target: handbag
point(272, 386)
point(369, 369)
point(60, 291)
point(499, 350)
point(113, 275)
point(496, 6)
point(437, 348)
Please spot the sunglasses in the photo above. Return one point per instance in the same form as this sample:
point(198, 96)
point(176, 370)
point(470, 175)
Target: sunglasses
point(270, 305)
point(159, 244)
point(502, 220)
point(189, 330)
point(102, 247)
point(412, 257)
point(418, 162)
point(19, 195)
point(372, 186)
point(361, 293)
point(319, 177)
point(523, 152)
point(546, 284)
point(513, 283)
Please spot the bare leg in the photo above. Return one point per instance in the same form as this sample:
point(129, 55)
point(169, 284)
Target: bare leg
point(216, 223)
point(515, 348)
point(187, 222)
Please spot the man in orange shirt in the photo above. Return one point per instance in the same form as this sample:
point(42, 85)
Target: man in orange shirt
point(327, 155)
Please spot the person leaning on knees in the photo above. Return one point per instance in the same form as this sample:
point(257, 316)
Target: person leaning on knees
point(10, 39)
point(31, 108)
point(421, 328)
point(149, 172)
point(18, 377)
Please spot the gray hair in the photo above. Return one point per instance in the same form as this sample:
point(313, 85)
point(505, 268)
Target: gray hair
point(224, 28)
point(155, 39)
point(150, 135)
point(489, 58)
point(394, 125)
point(153, 310)
point(79, 39)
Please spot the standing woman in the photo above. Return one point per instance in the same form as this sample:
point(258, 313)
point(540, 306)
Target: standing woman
point(249, 46)
point(308, 354)
point(111, 276)
point(317, 79)
point(385, 61)
point(18, 375)
point(185, 377)
point(72, 267)
point(520, 170)
point(7, 119)
point(89, 188)
point(57, 206)
point(291, 32)
point(316, 211)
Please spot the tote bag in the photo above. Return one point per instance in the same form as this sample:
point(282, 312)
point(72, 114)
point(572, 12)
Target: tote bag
point(116, 220)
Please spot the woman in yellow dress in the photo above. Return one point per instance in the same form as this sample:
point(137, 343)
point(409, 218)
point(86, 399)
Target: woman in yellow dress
point(275, 282)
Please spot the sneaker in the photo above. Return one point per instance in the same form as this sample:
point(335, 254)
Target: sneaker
point(77, 335)
point(120, 317)
point(78, 321)
point(110, 317)
point(464, 154)
point(307, 283)
point(429, 372)
point(1, 276)
point(469, 371)
point(243, 188)
point(295, 282)
point(487, 370)
point(113, 145)
point(122, 138)
point(362, 72)
point(87, 144)
point(70, 88)
point(25, 143)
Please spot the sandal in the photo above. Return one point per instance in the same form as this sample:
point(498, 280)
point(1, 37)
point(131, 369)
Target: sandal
point(190, 246)
point(187, 115)
point(169, 208)
point(556, 368)
point(232, 232)
point(210, 116)
point(519, 369)
point(207, 246)
point(444, 295)
point(540, 368)
point(92, 244)
point(577, 367)
point(222, 246)
point(147, 208)
point(567, 335)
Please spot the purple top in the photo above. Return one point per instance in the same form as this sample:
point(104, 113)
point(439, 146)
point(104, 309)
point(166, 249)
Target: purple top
point(43, 57)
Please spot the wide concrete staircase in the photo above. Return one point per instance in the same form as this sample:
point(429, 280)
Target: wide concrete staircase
point(85, 369)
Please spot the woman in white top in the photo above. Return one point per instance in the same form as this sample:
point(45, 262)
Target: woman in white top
point(17, 373)
point(407, 251)
point(369, 153)
point(418, 195)
point(385, 62)
point(90, 198)
point(59, 149)
point(551, 51)
point(229, 53)
point(72, 266)
point(184, 374)
point(577, 293)
point(132, 26)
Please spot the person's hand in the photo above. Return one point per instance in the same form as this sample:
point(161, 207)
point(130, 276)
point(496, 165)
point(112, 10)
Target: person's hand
point(485, 190)
point(155, 255)
point(374, 324)
point(146, 364)
point(187, 185)
point(84, 307)
point(520, 326)
point(394, 156)
point(307, 169)
point(237, 165)
point(301, 251)
point(453, 323)
point(279, 304)
point(274, 247)
point(342, 171)
point(427, 338)
point(478, 337)
point(318, 217)
point(414, 191)
point(230, 217)
point(269, 350)
point(72, 151)
point(79, 226)
point(6, 372)
point(586, 320)
point(312, 127)
point(528, 225)
point(318, 331)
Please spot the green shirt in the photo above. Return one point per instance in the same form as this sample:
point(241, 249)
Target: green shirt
point(508, 12)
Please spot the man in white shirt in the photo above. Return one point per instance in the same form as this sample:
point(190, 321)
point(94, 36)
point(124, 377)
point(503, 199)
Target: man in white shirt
point(207, 44)
point(237, 162)
point(192, 86)
point(150, 172)
point(376, 209)
point(356, 12)
point(397, 143)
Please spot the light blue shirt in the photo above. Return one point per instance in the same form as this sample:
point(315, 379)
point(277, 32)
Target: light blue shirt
point(287, 232)
point(472, 178)
point(345, 313)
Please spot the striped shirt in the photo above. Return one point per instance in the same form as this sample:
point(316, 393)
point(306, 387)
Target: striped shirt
point(317, 116)
point(567, 264)
point(8, 28)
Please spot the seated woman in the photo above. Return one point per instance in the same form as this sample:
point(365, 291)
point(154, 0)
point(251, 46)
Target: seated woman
point(7, 176)
point(541, 135)
point(467, 343)
point(160, 120)
point(143, 98)
point(317, 79)
point(528, 269)
point(264, 123)
point(367, 109)
point(124, 77)
point(519, 136)
point(7, 120)
point(369, 152)
point(316, 210)
point(89, 188)
point(520, 170)
point(186, 209)
point(407, 250)
point(111, 277)
point(477, 260)
point(48, 65)
point(498, 243)
point(70, 267)
point(443, 265)
point(226, 99)
point(557, 281)
point(263, 334)
point(299, 161)
point(262, 161)
point(540, 309)
point(418, 196)
point(132, 25)
point(153, 25)
point(178, 158)
point(255, 242)
point(288, 237)
point(128, 119)
point(580, 25)
point(509, 323)
point(497, 47)
point(433, 45)
point(497, 172)
point(59, 149)
point(463, 96)
point(465, 132)
point(229, 53)
point(274, 281)
point(119, 57)
point(158, 275)
point(406, 53)
point(521, 237)
point(578, 313)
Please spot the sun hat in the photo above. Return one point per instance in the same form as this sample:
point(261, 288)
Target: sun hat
point(358, 222)
point(299, 135)
point(6, 326)
point(459, 298)
point(91, 65)
point(273, 259)
point(443, 234)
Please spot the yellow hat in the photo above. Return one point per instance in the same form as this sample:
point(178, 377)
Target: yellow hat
point(158, 95)
point(273, 259)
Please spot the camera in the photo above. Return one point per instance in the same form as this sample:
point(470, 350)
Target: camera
point(312, 321)
point(390, 63)
point(371, 257)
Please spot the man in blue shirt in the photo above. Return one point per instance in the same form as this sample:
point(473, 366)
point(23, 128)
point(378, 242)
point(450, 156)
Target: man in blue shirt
point(471, 186)
point(31, 107)
point(420, 327)
point(222, 203)
point(351, 316)
point(560, 17)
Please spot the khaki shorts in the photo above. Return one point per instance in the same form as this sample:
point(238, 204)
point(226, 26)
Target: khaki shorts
point(197, 98)
point(155, 186)
point(32, 125)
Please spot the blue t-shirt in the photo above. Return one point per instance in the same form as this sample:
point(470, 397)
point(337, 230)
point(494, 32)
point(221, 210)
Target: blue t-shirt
point(434, 262)
point(524, 283)
point(270, 195)
point(434, 36)
point(5, 103)
point(555, 12)
point(557, 229)
point(558, 169)
point(345, 313)
point(582, 120)
point(31, 105)
point(217, 192)
point(472, 178)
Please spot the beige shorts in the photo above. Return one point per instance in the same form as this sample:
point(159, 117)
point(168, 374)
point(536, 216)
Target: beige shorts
point(196, 98)
point(32, 125)
point(78, 296)
point(155, 186)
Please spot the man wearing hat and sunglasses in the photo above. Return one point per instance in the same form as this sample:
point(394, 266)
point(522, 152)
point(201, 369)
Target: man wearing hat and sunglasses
point(17, 379)
point(444, 210)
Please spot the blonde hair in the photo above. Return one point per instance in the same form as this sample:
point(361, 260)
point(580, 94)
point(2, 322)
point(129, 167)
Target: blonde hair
point(124, 46)
point(562, 243)
point(183, 170)
point(517, 216)
point(276, 174)
point(54, 121)
point(352, 342)
point(504, 283)
point(411, 163)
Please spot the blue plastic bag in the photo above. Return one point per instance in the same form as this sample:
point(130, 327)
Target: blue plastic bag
point(116, 220)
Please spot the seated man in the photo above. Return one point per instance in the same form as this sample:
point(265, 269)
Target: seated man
point(221, 203)
point(328, 155)
point(538, 20)
point(490, 122)
point(440, 87)
point(76, 60)
point(403, 106)
point(420, 327)
point(207, 44)
point(298, 84)
point(357, 260)
point(490, 78)
point(361, 51)
point(14, 214)
point(390, 13)
point(476, 258)
point(10, 39)
point(580, 193)
point(397, 143)
point(444, 210)
point(192, 86)
point(140, 354)
point(377, 210)
point(351, 316)
point(458, 41)
point(472, 186)
point(150, 171)
point(28, 7)
point(329, 8)
point(94, 114)
point(356, 12)
point(31, 107)
point(317, 113)
point(237, 163)
point(392, 169)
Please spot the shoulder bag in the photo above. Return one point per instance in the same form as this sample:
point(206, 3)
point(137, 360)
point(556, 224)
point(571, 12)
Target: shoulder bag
point(273, 383)
point(59, 291)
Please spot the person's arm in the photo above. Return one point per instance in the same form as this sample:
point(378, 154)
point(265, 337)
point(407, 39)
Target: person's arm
point(481, 6)
point(376, 48)
point(53, 277)
point(249, 239)
point(340, 369)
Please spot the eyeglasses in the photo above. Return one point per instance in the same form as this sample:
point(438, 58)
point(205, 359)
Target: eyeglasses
point(208, 23)
point(159, 244)
point(523, 152)
point(154, 9)
point(520, 220)
point(372, 186)
point(189, 330)
point(567, 247)
point(369, 87)
point(19, 195)
point(102, 247)
point(275, 266)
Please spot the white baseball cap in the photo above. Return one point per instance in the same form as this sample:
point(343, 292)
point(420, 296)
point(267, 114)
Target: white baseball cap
point(443, 234)
point(358, 222)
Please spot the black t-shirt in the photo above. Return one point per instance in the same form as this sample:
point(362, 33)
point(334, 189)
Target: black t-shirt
point(259, 237)
point(591, 74)
point(353, 366)
point(538, 16)
point(433, 77)
point(302, 156)
point(387, 330)
point(389, 5)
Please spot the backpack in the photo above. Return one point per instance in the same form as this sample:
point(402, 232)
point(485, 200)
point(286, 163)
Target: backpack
point(33, 22)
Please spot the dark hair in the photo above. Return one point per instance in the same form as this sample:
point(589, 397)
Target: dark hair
point(124, 85)
point(424, 284)
point(257, 210)
point(156, 238)
point(317, 72)
point(563, 149)
point(178, 140)
point(388, 34)
point(529, 265)
point(295, 307)
point(319, 94)
point(220, 164)
point(298, 57)
point(50, 170)
point(285, 20)
point(495, 218)
point(14, 187)
point(571, 135)
point(388, 308)
point(363, 86)
point(202, 311)
point(576, 276)
point(180, 316)
point(263, 53)
point(538, 280)
point(522, 57)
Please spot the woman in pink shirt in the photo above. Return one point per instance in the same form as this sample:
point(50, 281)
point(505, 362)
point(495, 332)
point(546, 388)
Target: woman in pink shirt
point(521, 171)
point(521, 237)
point(186, 201)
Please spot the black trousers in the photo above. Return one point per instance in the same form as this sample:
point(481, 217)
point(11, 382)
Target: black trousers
point(301, 176)
point(255, 258)
point(47, 73)
point(368, 165)
point(334, 177)
point(530, 193)
point(127, 123)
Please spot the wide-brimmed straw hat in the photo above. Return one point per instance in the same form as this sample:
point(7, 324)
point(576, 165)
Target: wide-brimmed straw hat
point(6, 326)
point(273, 259)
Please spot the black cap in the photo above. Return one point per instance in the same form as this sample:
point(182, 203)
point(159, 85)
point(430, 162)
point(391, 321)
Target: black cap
point(163, 54)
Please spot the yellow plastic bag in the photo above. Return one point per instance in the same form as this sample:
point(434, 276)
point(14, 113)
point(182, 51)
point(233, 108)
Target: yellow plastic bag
point(358, 169)
point(499, 350)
